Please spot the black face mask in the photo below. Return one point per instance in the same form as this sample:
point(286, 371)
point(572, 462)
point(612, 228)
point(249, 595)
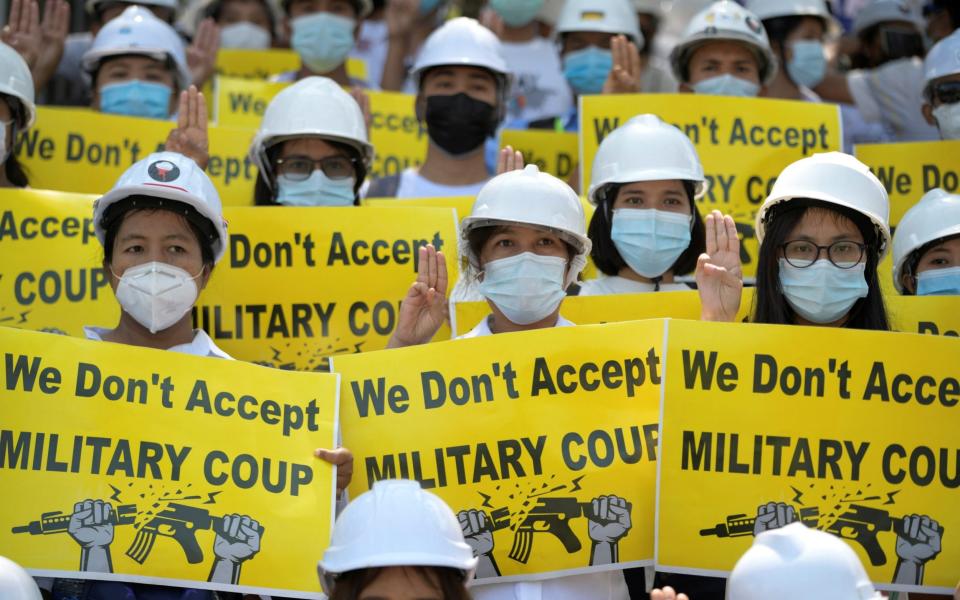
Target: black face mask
point(459, 123)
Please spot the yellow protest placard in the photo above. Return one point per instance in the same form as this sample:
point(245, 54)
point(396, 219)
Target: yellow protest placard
point(543, 442)
point(399, 140)
point(743, 144)
point(297, 284)
point(934, 315)
point(851, 432)
point(79, 150)
point(141, 465)
point(264, 64)
point(909, 170)
point(554, 152)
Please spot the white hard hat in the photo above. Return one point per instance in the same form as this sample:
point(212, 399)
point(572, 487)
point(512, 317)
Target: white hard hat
point(462, 42)
point(645, 149)
point(942, 60)
point(313, 106)
point(395, 524)
point(836, 178)
point(167, 176)
point(771, 9)
point(17, 82)
point(798, 563)
point(880, 11)
point(724, 21)
point(16, 583)
point(529, 197)
point(605, 16)
point(138, 31)
point(934, 217)
point(92, 5)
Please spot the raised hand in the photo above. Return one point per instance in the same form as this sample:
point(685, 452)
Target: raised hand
point(401, 15)
point(341, 458)
point(22, 31)
point(667, 593)
point(424, 309)
point(624, 77)
point(53, 34)
point(509, 160)
point(719, 275)
point(202, 52)
point(610, 520)
point(190, 136)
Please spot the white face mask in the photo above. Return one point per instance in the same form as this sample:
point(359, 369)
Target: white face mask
point(948, 120)
point(823, 292)
point(245, 35)
point(156, 294)
point(526, 287)
point(3, 142)
point(727, 85)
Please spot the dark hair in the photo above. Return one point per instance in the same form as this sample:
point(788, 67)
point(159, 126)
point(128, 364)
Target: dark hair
point(448, 581)
point(913, 261)
point(264, 195)
point(115, 214)
point(769, 304)
point(215, 9)
point(477, 238)
point(604, 252)
point(16, 172)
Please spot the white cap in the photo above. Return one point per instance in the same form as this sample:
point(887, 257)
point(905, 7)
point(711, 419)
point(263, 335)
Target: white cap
point(724, 21)
point(881, 11)
point(645, 149)
point(168, 176)
point(797, 563)
point(16, 583)
point(836, 178)
point(313, 106)
point(605, 16)
point(395, 524)
point(462, 42)
point(529, 197)
point(92, 5)
point(138, 31)
point(942, 60)
point(17, 82)
point(936, 216)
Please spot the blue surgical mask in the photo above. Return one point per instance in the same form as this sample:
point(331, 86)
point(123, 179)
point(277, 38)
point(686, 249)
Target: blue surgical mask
point(650, 240)
point(316, 190)
point(939, 282)
point(823, 292)
point(322, 40)
point(427, 6)
point(587, 69)
point(727, 85)
point(526, 287)
point(136, 98)
point(808, 64)
point(517, 13)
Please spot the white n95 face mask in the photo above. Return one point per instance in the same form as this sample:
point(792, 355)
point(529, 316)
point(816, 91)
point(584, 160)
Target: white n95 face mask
point(822, 292)
point(526, 287)
point(156, 294)
point(948, 120)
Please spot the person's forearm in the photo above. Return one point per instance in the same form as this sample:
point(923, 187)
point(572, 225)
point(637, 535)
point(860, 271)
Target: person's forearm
point(834, 88)
point(395, 68)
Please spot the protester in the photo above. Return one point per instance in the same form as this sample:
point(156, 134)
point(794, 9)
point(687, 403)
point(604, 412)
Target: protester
point(941, 88)
point(462, 86)
point(655, 71)
point(822, 231)
point(244, 24)
point(646, 230)
point(396, 542)
point(926, 246)
point(409, 24)
point(942, 17)
point(17, 113)
point(311, 148)
point(323, 32)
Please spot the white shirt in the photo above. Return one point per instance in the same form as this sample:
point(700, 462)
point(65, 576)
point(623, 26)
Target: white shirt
point(201, 345)
point(657, 78)
point(414, 185)
point(539, 88)
point(893, 94)
point(603, 285)
point(483, 327)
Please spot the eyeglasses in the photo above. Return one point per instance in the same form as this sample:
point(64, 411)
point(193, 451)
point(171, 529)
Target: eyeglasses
point(802, 254)
point(299, 168)
point(948, 92)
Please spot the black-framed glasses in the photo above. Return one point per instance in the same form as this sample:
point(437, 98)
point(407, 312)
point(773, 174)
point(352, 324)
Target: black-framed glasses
point(299, 168)
point(947, 92)
point(802, 253)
